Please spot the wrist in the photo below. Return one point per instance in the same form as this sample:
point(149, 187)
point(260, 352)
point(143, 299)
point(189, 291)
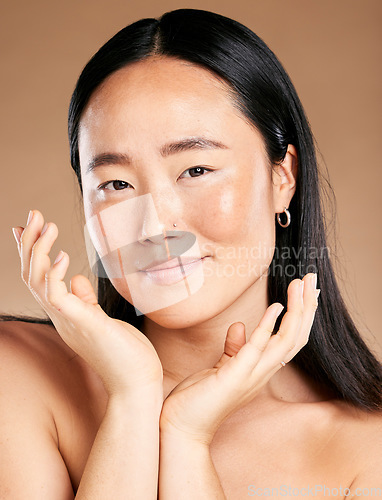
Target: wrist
point(140, 397)
point(171, 435)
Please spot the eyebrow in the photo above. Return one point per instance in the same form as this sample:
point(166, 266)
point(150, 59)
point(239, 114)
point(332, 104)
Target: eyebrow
point(166, 150)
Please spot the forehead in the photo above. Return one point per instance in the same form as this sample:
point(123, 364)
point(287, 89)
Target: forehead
point(159, 88)
point(158, 100)
point(169, 77)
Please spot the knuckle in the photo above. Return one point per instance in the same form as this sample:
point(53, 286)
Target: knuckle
point(51, 298)
point(50, 294)
point(281, 335)
point(297, 311)
point(48, 276)
point(261, 346)
point(36, 246)
point(260, 338)
point(291, 346)
point(288, 344)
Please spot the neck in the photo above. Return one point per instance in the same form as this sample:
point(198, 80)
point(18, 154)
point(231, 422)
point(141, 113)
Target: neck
point(185, 351)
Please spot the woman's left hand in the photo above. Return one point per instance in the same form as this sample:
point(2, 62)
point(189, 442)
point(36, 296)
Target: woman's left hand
point(198, 405)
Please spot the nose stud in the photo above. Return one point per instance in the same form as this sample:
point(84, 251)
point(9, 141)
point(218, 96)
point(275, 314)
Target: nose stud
point(174, 225)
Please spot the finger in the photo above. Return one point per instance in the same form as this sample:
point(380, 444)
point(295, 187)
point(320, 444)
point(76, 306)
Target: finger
point(235, 338)
point(310, 297)
point(250, 354)
point(234, 341)
point(284, 341)
point(37, 291)
point(310, 307)
point(81, 286)
point(40, 262)
point(81, 313)
point(263, 332)
point(28, 238)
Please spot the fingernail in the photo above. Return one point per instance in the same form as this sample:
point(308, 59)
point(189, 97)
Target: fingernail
point(314, 280)
point(59, 256)
point(317, 293)
point(44, 228)
point(16, 234)
point(279, 310)
point(30, 216)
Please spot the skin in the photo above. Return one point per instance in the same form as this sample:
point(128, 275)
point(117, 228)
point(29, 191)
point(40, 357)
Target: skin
point(207, 369)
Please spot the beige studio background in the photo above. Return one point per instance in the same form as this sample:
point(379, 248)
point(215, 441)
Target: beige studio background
point(330, 48)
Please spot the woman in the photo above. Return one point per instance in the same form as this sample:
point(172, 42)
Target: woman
point(192, 152)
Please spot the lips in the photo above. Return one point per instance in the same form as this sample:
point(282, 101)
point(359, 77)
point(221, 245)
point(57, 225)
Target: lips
point(159, 276)
point(170, 264)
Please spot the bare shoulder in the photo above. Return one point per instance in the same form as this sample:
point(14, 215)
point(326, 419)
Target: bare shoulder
point(33, 365)
point(360, 437)
point(342, 441)
point(30, 354)
point(23, 355)
point(33, 357)
point(30, 357)
point(359, 429)
point(51, 405)
point(359, 426)
point(35, 337)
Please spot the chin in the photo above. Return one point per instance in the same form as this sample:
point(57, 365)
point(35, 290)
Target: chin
point(184, 314)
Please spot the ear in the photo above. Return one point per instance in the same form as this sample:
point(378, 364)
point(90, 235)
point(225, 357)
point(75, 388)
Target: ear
point(284, 177)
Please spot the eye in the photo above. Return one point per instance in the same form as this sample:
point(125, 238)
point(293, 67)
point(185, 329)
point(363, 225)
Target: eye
point(117, 185)
point(198, 171)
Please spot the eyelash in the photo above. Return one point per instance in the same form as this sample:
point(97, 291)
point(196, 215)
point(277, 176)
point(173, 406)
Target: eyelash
point(102, 187)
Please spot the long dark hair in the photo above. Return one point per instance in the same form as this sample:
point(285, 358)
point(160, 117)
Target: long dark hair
point(335, 356)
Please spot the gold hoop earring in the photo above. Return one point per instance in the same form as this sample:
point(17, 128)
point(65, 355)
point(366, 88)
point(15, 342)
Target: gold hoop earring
point(286, 212)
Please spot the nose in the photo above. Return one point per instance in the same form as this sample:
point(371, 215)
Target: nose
point(153, 228)
point(156, 236)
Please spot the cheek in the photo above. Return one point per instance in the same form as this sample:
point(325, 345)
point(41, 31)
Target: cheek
point(231, 214)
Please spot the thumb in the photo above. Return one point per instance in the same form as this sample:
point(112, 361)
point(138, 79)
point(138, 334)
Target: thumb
point(235, 339)
point(83, 289)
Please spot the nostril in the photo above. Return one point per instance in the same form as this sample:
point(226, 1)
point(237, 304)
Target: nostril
point(155, 238)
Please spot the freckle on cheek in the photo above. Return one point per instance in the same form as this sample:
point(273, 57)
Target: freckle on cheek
point(227, 202)
point(221, 216)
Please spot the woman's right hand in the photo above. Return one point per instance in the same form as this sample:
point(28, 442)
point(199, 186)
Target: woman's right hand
point(121, 355)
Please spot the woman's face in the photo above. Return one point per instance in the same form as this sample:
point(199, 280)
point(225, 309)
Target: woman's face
point(167, 132)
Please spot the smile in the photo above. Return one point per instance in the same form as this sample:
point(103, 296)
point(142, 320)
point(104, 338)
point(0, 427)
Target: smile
point(170, 275)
